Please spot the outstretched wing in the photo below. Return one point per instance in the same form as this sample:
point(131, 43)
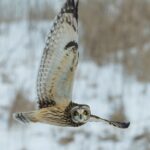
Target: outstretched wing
point(60, 58)
point(117, 124)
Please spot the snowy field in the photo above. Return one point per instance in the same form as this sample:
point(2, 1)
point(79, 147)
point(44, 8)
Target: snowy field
point(102, 87)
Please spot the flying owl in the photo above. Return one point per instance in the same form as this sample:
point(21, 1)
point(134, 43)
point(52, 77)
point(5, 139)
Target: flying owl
point(56, 75)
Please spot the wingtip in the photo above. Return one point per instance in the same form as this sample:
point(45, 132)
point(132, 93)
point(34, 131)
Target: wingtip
point(126, 125)
point(117, 124)
point(20, 118)
point(71, 6)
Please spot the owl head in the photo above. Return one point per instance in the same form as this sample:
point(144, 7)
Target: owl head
point(80, 114)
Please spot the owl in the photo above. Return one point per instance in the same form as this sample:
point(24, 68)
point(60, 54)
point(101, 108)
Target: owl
point(56, 74)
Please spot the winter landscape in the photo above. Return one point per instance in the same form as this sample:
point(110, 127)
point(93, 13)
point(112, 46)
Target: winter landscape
point(113, 74)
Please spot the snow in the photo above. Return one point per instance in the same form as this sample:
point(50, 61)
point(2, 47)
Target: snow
point(21, 48)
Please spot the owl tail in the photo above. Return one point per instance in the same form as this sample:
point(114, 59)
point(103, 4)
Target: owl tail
point(25, 117)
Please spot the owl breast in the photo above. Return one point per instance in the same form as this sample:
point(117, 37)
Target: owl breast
point(58, 116)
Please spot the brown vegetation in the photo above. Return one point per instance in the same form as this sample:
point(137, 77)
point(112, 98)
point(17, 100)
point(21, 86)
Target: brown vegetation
point(41, 10)
point(106, 32)
point(21, 104)
point(127, 31)
point(44, 13)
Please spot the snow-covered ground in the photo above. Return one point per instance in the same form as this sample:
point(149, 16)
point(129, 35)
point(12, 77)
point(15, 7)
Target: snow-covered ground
point(104, 88)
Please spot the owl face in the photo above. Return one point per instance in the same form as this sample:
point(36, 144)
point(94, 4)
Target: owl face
point(80, 114)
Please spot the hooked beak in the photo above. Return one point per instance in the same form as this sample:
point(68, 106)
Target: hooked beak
point(80, 117)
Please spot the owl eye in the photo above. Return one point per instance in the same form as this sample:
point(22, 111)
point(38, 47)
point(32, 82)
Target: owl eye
point(75, 113)
point(85, 113)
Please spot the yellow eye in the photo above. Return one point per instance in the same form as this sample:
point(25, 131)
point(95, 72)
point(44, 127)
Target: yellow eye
point(85, 113)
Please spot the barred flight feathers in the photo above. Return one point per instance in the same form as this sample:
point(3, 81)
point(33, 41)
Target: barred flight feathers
point(60, 58)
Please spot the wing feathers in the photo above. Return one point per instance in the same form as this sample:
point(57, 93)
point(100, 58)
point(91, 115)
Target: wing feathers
point(114, 123)
point(71, 44)
point(71, 7)
point(60, 57)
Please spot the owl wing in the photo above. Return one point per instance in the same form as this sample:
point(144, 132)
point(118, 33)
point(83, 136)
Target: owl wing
point(117, 124)
point(60, 58)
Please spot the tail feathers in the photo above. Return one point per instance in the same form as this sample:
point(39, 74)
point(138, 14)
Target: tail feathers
point(25, 117)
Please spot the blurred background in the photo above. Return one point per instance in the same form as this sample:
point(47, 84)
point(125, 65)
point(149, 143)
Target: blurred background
point(113, 74)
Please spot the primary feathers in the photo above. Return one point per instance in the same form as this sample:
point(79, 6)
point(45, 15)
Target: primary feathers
point(60, 58)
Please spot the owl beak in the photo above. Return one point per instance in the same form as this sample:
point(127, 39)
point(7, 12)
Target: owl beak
point(80, 117)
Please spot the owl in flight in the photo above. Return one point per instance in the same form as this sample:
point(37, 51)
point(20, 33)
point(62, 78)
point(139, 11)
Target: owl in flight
point(56, 75)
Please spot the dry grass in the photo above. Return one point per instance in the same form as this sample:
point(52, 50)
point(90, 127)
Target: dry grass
point(106, 34)
point(70, 137)
point(66, 140)
point(37, 12)
point(143, 138)
point(21, 104)
point(119, 115)
point(110, 137)
point(44, 13)
point(138, 65)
